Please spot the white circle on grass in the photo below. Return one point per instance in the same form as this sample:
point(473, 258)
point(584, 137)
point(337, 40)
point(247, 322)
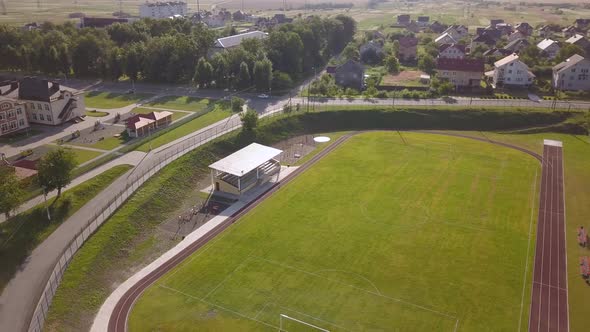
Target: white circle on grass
point(321, 139)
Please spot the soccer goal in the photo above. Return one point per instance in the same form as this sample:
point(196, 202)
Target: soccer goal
point(290, 324)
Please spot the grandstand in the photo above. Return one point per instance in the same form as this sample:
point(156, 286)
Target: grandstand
point(245, 169)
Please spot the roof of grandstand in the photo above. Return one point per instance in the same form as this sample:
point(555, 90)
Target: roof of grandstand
point(245, 160)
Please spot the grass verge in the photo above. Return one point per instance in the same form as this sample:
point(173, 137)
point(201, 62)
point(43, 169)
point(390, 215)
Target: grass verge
point(183, 103)
point(96, 114)
point(22, 233)
point(109, 100)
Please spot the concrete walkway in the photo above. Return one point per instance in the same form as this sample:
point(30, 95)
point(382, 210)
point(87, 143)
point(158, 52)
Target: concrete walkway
point(132, 158)
point(101, 320)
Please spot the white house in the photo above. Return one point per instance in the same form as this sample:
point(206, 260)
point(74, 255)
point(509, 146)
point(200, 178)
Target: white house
point(445, 38)
point(549, 48)
point(451, 51)
point(511, 71)
point(572, 74)
point(163, 9)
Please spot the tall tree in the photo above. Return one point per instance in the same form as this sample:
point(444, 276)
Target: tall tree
point(263, 75)
point(392, 64)
point(55, 169)
point(133, 60)
point(244, 79)
point(11, 193)
point(203, 73)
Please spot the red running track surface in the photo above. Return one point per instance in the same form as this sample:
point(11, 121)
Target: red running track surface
point(549, 306)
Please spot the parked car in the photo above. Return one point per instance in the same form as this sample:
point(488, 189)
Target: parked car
point(263, 96)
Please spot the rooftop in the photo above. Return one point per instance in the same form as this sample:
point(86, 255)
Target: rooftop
point(575, 38)
point(574, 59)
point(506, 60)
point(245, 160)
point(545, 43)
point(235, 40)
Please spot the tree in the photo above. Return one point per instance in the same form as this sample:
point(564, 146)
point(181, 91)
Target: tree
point(237, 104)
point(426, 63)
point(55, 169)
point(392, 64)
point(249, 121)
point(351, 52)
point(244, 76)
point(203, 73)
point(444, 88)
point(11, 193)
point(567, 51)
point(263, 75)
point(134, 58)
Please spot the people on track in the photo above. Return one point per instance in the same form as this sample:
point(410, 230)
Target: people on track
point(582, 236)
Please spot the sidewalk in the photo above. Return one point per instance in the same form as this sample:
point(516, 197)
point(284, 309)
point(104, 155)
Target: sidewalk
point(101, 321)
point(131, 158)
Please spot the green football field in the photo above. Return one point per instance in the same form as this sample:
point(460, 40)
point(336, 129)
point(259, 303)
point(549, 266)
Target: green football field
point(433, 233)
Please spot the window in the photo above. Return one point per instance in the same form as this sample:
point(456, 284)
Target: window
point(41, 117)
point(13, 125)
point(2, 116)
point(19, 111)
point(4, 127)
point(39, 106)
point(46, 107)
point(21, 123)
point(48, 117)
point(11, 114)
point(511, 64)
point(508, 79)
point(510, 71)
point(584, 70)
point(34, 116)
point(573, 70)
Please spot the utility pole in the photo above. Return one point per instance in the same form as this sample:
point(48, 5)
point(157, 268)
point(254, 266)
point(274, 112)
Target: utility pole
point(198, 7)
point(120, 8)
point(3, 5)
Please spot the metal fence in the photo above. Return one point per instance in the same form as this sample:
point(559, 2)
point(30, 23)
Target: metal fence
point(137, 177)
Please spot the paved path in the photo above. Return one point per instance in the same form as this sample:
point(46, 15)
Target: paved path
point(549, 305)
point(132, 158)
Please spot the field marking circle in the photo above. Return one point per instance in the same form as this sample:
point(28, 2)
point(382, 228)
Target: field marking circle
point(321, 139)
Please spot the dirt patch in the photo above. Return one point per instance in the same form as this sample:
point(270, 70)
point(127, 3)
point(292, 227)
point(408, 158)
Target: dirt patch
point(404, 78)
point(295, 148)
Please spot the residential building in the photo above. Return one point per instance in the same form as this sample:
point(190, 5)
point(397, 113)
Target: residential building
point(437, 27)
point(549, 48)
point(47, 102)
point(13, 117)
point(546, 31)
point(445, 38)
point(461, 73)
point(496, 52)
point(572, 74)
point(504, 28)
point(510, 71)
point(403, 19)
point(516, 46)
point(423, 21)
point(524, 28)
point(371, 52)
point(494, 22)
point(582, 23)
point(570, 31)
point(485, 41)
point(143, 124)
point(100, 22)
point(226, 43)
point(413, 27)
point(408, 47)
point(491, 32)
point(160, 10)
point(451, 51)
point(516, 35)
point(580, 41)
point(350, 75)
point(458, 32)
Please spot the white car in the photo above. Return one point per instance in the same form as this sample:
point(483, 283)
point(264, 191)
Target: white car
point(263, 96)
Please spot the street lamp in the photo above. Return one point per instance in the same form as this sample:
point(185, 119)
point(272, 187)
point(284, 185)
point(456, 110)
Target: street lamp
point(46, 206)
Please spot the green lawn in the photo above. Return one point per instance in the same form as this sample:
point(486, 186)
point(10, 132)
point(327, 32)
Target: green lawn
point(430, 234)
point(21, 234)
point(108, 100)
point(183, 103)
point(175, 115)
point(219, 113)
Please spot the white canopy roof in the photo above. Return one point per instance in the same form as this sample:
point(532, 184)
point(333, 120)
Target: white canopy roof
point(246, 159)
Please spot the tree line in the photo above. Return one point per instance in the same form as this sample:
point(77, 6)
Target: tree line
point(176, 51)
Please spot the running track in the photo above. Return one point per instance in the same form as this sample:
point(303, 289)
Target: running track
point(549, 306)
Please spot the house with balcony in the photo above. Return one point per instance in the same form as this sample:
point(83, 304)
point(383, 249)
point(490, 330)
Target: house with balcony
point(462, 73)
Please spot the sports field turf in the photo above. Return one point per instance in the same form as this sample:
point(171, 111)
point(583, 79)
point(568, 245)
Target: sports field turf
point(432, 235)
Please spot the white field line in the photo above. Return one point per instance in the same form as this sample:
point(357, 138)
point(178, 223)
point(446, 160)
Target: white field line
point(565, 239)
point(528, 249)
point(228, 276)
point(315, 318)
point(353, 273)
point(440, 313)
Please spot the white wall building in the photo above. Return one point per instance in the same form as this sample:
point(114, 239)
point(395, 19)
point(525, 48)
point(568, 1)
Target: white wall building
point(163, 9)
point(12, 116)
point(572, 74)
point(451, 51)
point(549, 48)
point(511, 71)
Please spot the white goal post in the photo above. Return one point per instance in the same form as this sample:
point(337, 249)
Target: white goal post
point(284, 317)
